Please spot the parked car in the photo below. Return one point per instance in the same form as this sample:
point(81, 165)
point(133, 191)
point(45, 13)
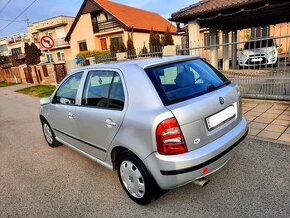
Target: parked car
point(260, 52)
point(161, 123)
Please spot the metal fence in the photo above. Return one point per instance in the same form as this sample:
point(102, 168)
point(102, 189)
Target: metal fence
point(258, 60)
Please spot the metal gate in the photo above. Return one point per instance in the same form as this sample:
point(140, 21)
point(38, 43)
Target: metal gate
point(28, 75)
point(260, 65)
point(60, 72)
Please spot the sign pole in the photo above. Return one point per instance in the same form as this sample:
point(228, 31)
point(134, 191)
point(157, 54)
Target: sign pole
point(51, 65)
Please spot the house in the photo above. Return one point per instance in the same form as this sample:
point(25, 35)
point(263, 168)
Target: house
point(57, 28)
point(223, 21)
point(13, 47)
point(101, 22)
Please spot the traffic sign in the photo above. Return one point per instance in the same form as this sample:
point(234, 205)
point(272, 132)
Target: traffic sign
point(47, 42)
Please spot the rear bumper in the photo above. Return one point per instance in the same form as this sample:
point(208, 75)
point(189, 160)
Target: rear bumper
point(173, 171)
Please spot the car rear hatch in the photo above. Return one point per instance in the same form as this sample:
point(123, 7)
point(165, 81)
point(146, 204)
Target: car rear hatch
point(204, 102)
point(205, 118)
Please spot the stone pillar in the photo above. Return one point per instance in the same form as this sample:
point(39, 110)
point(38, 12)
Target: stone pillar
point(226, 54)
point(194, 36)
point(213, 49)
point(234, 49)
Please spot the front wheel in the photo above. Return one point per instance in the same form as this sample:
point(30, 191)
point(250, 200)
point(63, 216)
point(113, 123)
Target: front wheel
point(135, 178)
point(48, 134)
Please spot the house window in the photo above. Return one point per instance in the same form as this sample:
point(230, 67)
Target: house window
point(60, 55)
point(117, 41)
point(208, 40)
point(3, 48)
point(48, 33)
point(49, 58)
point(15, 51)
point(60, 32)
point(109, 17)
point(83, 46)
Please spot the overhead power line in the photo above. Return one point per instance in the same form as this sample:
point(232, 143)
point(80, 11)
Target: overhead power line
point(7, 3)
point(14, 20)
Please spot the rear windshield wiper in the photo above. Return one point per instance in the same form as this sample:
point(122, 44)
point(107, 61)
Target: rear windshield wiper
point(211, 88)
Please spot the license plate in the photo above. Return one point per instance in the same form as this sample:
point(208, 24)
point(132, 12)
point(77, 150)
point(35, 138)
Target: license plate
point(257, 59)
point(221, 117)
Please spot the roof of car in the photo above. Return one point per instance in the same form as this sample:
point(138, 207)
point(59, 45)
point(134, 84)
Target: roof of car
point(143, 63)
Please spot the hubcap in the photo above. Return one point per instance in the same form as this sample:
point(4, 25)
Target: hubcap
point(132, 179)
point(47, 133)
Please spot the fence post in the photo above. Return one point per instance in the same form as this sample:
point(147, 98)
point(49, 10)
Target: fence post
point(226, 57)
point(194, 35)
point(235, 47)
point(213, 49)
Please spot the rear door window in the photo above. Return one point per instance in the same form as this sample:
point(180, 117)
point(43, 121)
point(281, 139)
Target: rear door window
point(184, 80)
point(103, 89)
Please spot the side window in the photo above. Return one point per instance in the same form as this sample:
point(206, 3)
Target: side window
point(103, 89)
point(67, 92)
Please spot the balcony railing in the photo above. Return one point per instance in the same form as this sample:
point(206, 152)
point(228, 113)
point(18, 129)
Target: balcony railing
point(107, 25)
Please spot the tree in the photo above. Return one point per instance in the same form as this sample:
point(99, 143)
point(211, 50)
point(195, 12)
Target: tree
point(123, 47)
point(27, 53)
point(4, 61)
point(113, 48)
point(154, 41)
point(32, 54)
point(168, 40)
point(130, 46)
point(35, 54)
point(144, 50)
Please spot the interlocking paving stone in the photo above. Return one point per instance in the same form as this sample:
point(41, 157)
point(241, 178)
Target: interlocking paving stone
point(246, 109)
point(268, 115)
point(264, 120)
point(285, 137)
point(286, 113)
point(279, 106)
point(254, 132)
point(276, 128)
point(281, 122)
point(288, 130)
point(250, 118)
point(269, 134)
point(252, 105)
point(256, 125)
point(254, 113)
point(259, 109)
point(284, 117)
point(274, 111)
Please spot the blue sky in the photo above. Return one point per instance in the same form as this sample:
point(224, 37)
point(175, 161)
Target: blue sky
point(43, 9)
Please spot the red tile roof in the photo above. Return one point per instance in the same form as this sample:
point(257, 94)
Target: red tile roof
point(136, 18)
point(209, 6)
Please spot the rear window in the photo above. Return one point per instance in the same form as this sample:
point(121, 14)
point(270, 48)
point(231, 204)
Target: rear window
point(181, 81)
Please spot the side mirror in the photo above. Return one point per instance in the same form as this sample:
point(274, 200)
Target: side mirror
point(44, 101)
point(279, 46)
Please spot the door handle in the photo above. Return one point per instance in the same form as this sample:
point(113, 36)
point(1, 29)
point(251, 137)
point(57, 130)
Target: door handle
point(110, 123)
point(71, 115)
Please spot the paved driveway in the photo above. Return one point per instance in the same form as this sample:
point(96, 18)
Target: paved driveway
point(38, 181)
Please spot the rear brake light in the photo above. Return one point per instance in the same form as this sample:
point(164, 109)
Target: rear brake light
point(169, 138)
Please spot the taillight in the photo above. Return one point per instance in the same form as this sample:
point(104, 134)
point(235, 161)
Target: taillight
point(169, 138)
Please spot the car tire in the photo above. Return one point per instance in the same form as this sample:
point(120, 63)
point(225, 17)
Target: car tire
point(48, 134)
point(135, 178)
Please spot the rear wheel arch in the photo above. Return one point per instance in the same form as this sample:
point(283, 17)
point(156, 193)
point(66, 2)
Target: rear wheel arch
point(115, 154)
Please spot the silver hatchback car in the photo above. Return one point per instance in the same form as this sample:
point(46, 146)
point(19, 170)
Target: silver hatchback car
point(161, 123)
